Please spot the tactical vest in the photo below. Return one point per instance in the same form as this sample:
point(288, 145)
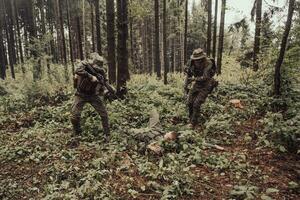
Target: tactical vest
point(86, 86)
point(199, 71)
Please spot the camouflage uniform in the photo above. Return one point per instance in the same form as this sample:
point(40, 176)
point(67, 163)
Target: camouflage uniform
point(88, 91)
point(203, 84)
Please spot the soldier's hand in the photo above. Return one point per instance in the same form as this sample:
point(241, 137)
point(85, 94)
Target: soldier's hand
point(199, 79)
point(94, 79)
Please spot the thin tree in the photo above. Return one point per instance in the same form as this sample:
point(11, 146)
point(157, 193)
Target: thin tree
point(70, 35)
point(256, 48)
point(62, 32)
point(215, 30)
point(32, 36)
point(78, 32)
point(156, 40)
point(98, 27)
point(84, 36)
point(185, 31)
point(166, 64)
point(143, 31)
point(122, 51)
point(93, 27)
point(221, 38)
point(19, 34)
point(209, 17)
point(110, 17)
point(149, 44)
point(8, 24)
point(49, 18)
point(277, 77)
point(2, 46)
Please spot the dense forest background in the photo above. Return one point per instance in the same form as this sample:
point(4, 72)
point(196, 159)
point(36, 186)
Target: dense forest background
point(248, 143)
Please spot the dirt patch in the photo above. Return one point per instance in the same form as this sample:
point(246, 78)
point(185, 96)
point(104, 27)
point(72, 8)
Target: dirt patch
point(15, 123)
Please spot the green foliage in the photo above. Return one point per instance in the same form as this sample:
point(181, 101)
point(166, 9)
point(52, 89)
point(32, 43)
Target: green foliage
point(244, 192)
point(38, 117)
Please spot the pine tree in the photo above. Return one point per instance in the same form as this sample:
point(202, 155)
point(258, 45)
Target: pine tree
point(256, 48)
point(156, 40)
point(122, 51)
point(110, 16)
point(277, 77)
point(221, 38)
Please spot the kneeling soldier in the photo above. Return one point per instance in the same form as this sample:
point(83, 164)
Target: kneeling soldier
point(88, 89)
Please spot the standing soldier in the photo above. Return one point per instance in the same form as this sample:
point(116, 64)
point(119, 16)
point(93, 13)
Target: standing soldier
point(199, 71)
point(88, 90)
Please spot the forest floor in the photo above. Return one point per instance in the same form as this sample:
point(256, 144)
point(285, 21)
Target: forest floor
point(39, 160)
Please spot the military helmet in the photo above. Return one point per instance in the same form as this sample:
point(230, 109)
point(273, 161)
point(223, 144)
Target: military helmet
point(95, 58)
point(198, 54)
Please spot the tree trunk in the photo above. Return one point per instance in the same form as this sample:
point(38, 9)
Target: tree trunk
point(149, 45)
point(53, 51)
point(70, 36)
point(209, 2)
point(256, 48)
point(98, 26)
point(33, 35)
point(79, 38)
point(2, 47)
point(8, 23)
point(43, 24)
point(144, 45)
point(221, 38)
point(122, 51)
point(156, 41)
point(166, 64)
point(62, 33)
point(173, 68)
point(83, 29)
point(93, 28)
point(19, 34)
point(185, 31)
point(215, 30)
point(2, 54)
point(131, 40)
point(11, 25)
point(111, 54)
point(277, 77)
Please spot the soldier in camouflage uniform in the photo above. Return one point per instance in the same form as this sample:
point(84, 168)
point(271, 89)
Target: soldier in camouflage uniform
point(88, 90)
point(199, 71)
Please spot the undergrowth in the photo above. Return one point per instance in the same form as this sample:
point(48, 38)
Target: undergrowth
point(35, 131)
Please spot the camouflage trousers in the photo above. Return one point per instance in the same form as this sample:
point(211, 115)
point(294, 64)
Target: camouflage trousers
point(197, 96)
point(77, 108)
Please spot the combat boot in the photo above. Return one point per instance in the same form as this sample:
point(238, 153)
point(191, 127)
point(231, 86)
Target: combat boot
point(76, 127)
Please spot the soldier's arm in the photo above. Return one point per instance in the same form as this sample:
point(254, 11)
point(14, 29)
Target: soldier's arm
point(189, 75)
point(75, 80)
point(80, 71)
point(102, 72)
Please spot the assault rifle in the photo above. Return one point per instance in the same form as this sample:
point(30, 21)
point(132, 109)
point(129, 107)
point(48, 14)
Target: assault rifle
point(101, 80)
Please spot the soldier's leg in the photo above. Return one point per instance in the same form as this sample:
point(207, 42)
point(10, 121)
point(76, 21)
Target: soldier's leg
point(97, 103)
point(77, 108)
point(199, 100)
point(190, 101)
point(212, 85)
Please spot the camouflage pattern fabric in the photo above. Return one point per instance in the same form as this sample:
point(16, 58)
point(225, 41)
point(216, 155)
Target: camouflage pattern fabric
point(98, 105)
point(88, 91)
point(203, 85)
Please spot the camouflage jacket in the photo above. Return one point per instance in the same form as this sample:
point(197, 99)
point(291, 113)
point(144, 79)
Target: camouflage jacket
point(83, 80)
point(201, 74)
